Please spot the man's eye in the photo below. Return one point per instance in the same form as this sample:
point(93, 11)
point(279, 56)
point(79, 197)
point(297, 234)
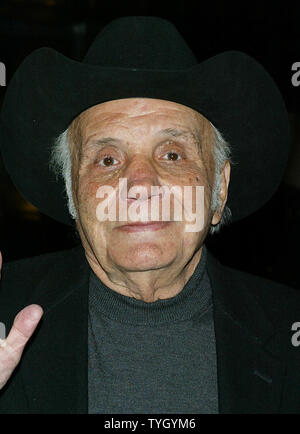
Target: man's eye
point(172, 156)
point(107, 161)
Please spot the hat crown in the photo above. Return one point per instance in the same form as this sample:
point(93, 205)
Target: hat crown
point(140, 43)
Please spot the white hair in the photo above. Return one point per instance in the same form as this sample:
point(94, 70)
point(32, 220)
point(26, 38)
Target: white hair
point(61, 164)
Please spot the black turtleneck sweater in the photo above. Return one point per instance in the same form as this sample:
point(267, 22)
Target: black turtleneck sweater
point(155, 357)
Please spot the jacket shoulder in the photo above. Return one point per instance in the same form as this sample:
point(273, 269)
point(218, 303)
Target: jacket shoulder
point(20, 278)
point(254, 297)
point(277, 298)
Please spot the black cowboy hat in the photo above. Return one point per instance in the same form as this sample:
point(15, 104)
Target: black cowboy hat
point(144, 57)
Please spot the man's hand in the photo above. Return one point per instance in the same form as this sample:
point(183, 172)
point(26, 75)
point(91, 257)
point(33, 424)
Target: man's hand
point(12, 347)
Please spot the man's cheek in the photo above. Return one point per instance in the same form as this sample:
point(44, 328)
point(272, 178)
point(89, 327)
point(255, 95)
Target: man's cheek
point(87, 197)
point(87, 189)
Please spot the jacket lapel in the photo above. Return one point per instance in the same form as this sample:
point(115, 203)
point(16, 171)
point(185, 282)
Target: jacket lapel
point(249, 378)
point(55, 371)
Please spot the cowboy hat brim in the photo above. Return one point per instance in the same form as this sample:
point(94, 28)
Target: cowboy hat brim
point(231, 90)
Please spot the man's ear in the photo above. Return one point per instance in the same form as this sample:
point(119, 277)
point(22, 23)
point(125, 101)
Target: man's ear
point(225, 176)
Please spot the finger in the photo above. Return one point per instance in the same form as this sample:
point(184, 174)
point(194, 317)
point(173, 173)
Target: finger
point(23, 327)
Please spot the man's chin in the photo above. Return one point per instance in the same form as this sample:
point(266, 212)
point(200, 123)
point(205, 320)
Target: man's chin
point(143, 258)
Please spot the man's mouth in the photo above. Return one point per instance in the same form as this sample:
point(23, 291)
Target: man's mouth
point(143, 226)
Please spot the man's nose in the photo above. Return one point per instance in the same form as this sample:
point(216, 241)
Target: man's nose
point(141, 176)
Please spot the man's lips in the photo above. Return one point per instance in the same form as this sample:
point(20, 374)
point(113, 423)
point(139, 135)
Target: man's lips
point(143, 226)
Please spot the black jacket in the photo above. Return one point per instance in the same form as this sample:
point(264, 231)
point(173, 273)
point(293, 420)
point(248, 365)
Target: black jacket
point(258, 367)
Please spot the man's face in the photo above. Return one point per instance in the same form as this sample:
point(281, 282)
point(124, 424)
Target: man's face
point(149, 143)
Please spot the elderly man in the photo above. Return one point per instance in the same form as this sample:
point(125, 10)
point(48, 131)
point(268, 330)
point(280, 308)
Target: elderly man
point(140, 318)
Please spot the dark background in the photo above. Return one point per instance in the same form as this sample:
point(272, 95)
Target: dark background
point(265, 243)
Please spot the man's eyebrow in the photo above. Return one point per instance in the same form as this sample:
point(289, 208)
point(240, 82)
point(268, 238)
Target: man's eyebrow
point(193, 137)
point(174, 132)
point(101, 141)
point(107, 140)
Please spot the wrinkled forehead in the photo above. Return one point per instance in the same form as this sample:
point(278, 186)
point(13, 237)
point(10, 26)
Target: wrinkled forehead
point(144, 117)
